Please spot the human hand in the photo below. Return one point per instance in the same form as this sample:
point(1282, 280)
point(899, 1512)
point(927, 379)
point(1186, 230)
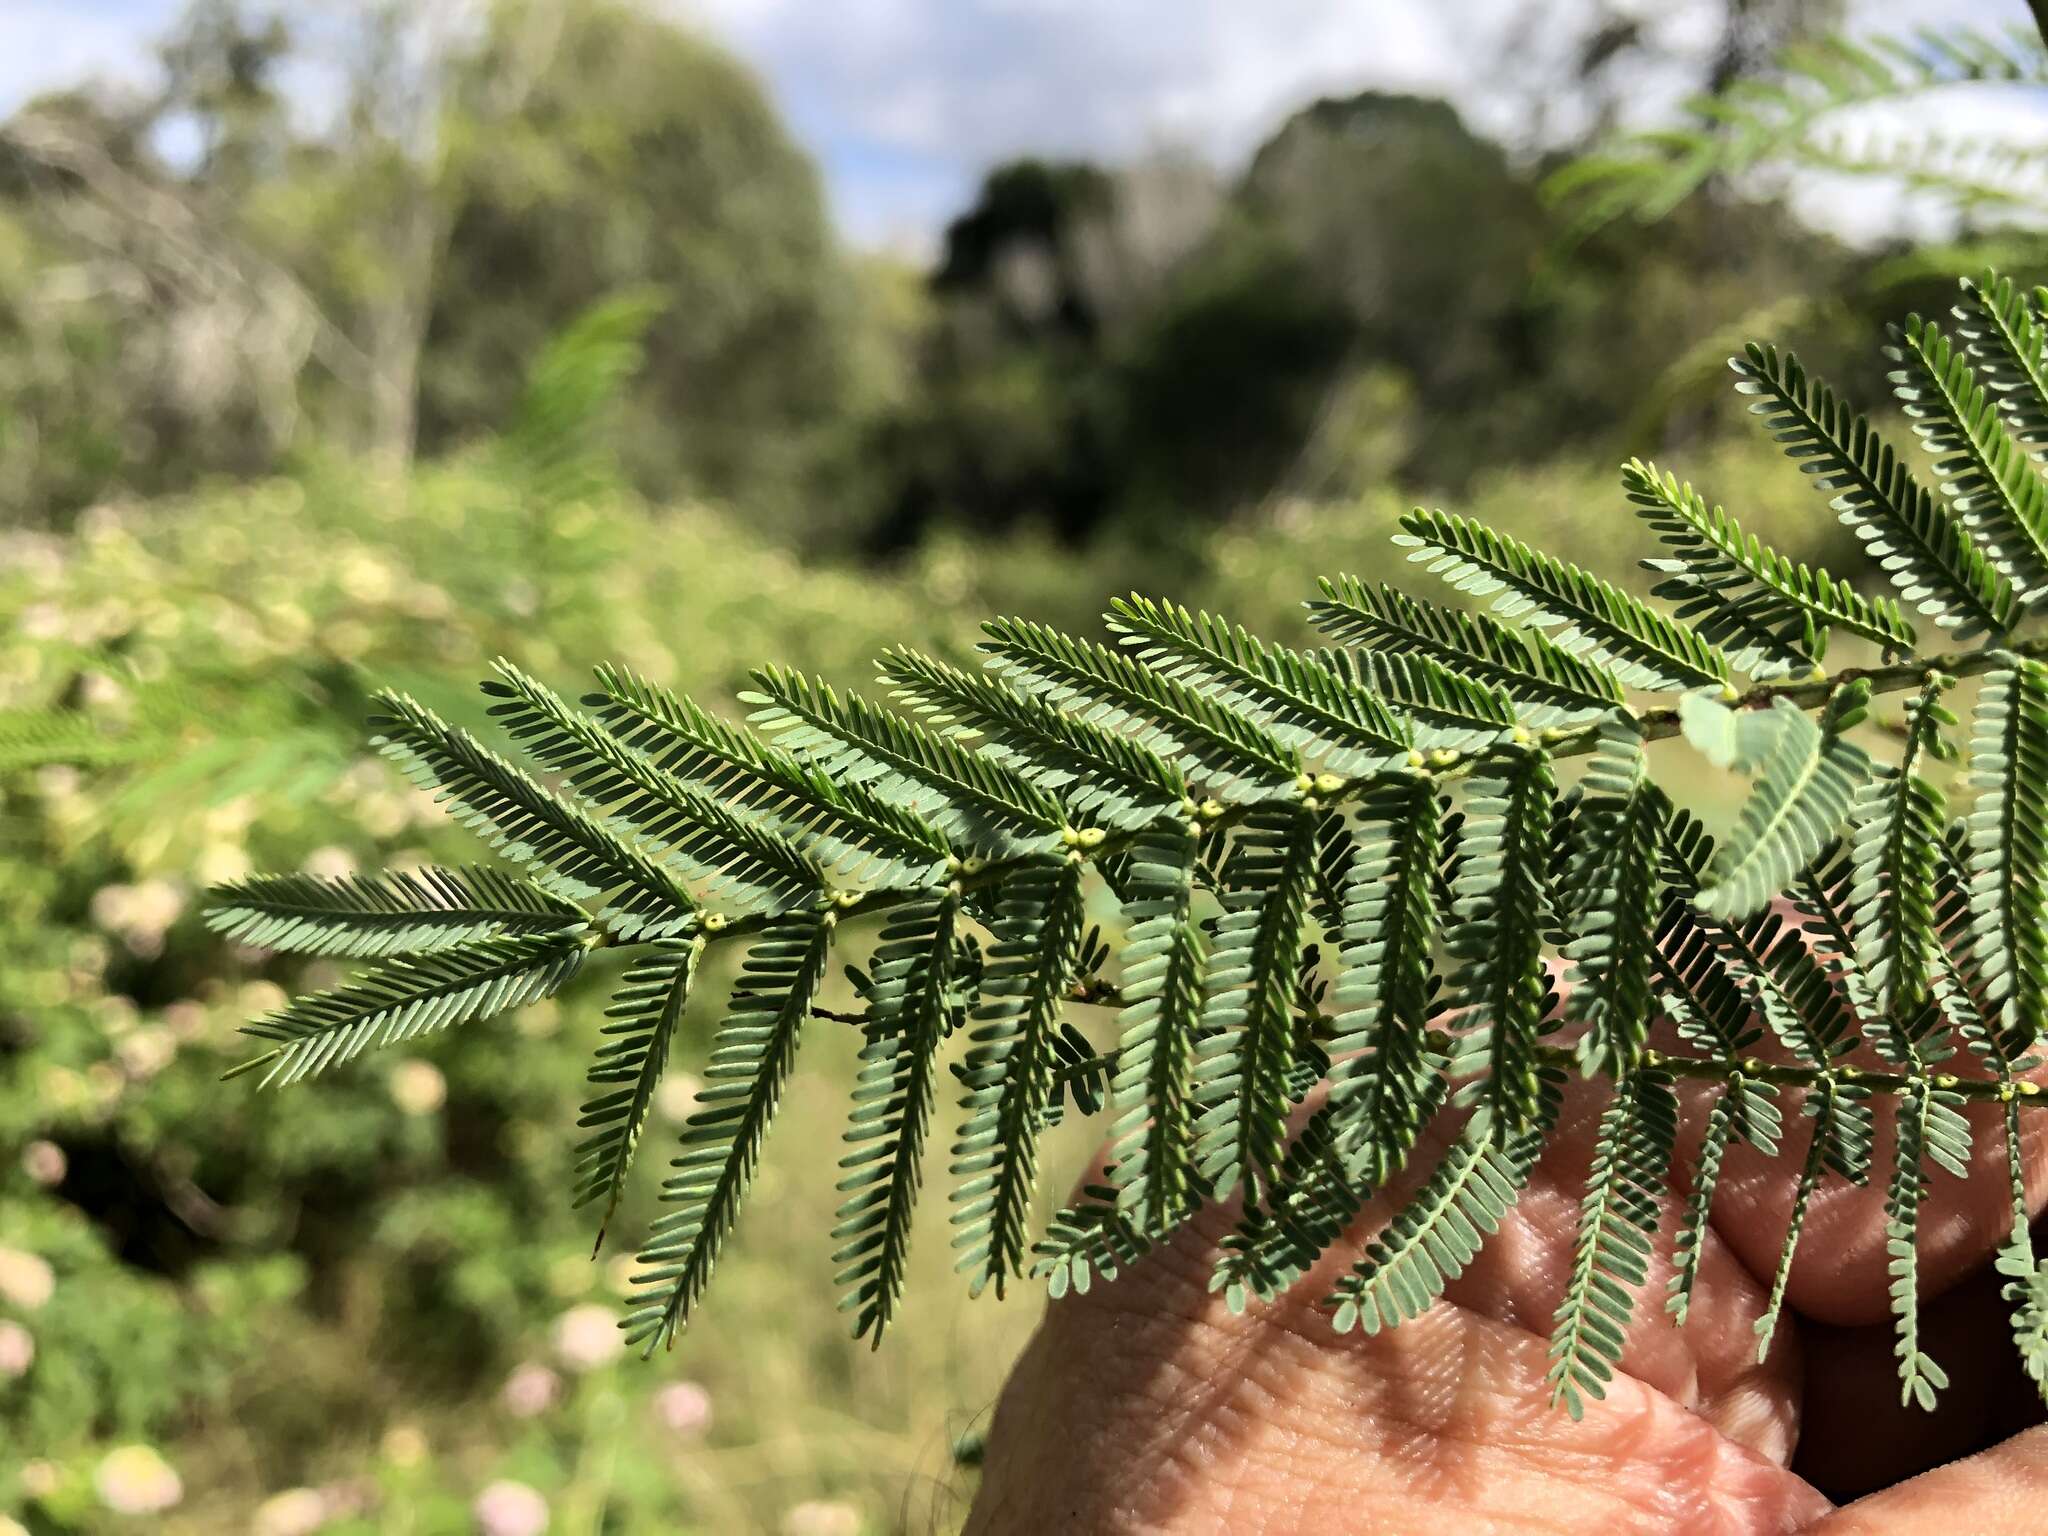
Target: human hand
point(1146, 1405)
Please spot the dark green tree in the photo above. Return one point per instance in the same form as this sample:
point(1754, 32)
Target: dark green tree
point(641, 156)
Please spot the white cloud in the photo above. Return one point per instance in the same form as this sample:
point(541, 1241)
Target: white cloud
point(45, 44)
point(906, 101)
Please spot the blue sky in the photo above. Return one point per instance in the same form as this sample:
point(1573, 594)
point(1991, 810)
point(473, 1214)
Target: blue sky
point(905, 101)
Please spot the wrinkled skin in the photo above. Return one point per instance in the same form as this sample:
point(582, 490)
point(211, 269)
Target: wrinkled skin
point(1145, 1405)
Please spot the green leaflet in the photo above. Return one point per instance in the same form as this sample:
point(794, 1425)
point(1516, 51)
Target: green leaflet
point(1793, 112)
point(1442, 708)
point(1929, 1126)
point(2027, 1289)
point(1208, 738)
point(1726, 973)
point(892, 1107)
point(1497, 933)
point(572, 851)
point(1086, 1239)
point(2009, 345)
point(409, 997)
point(1690, 1245)
point(1780, 600)
point(32, 738)
point(1388, 1081)
point(1164, 960)
point(1824, 896)
point(1822, 1109)
point(972, 799)
point(1248, 1014)
point(1307, 1208)
point(751, 1057)
point(1931, 559)
point(639, 1029)
point(370, 917)
point(1642, 647)
point(1841, 1141)
point(1441, 1228)
point(1993, 1033)
point(1549, 686)
point(1102, 778)
point(1985, 474)
point(1807, 777)
point(2008, 844)
point(1614, 901)
point(1079, 1074)
point(554, 439)
point(2000, 1044)
point(1336, 719)
point(1728, 738)
point(748, 867)
point(1617, 1224)
point(1008, 1074)
point(1895, 844)
point(845, 824)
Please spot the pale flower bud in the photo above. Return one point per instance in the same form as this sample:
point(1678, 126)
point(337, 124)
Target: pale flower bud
point(17, 1350)
point(26, 1279)
point(295, 1512)
point(676, 1097)
point(417, 1087)
point(44, 1162)
point(135, 1480)
point(40, 1478)
point(404, 1446)
point(587, 1337)
point(530, 1391)
point(822, 1517)
point(507, 1508)
point(683, 1409)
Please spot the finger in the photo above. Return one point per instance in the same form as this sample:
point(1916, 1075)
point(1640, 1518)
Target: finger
point(1839, 1275)
point(1710, 1365)
point(1858, 1436)
point(1146, 1405)
point(1999, 1493)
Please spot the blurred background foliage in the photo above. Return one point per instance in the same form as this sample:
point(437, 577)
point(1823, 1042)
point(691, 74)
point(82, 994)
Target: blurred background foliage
point(546, 348)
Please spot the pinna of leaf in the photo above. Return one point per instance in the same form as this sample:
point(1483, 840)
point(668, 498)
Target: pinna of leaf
point(1342, 874)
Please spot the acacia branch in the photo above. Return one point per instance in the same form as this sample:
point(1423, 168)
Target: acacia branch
point(1325, 790)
